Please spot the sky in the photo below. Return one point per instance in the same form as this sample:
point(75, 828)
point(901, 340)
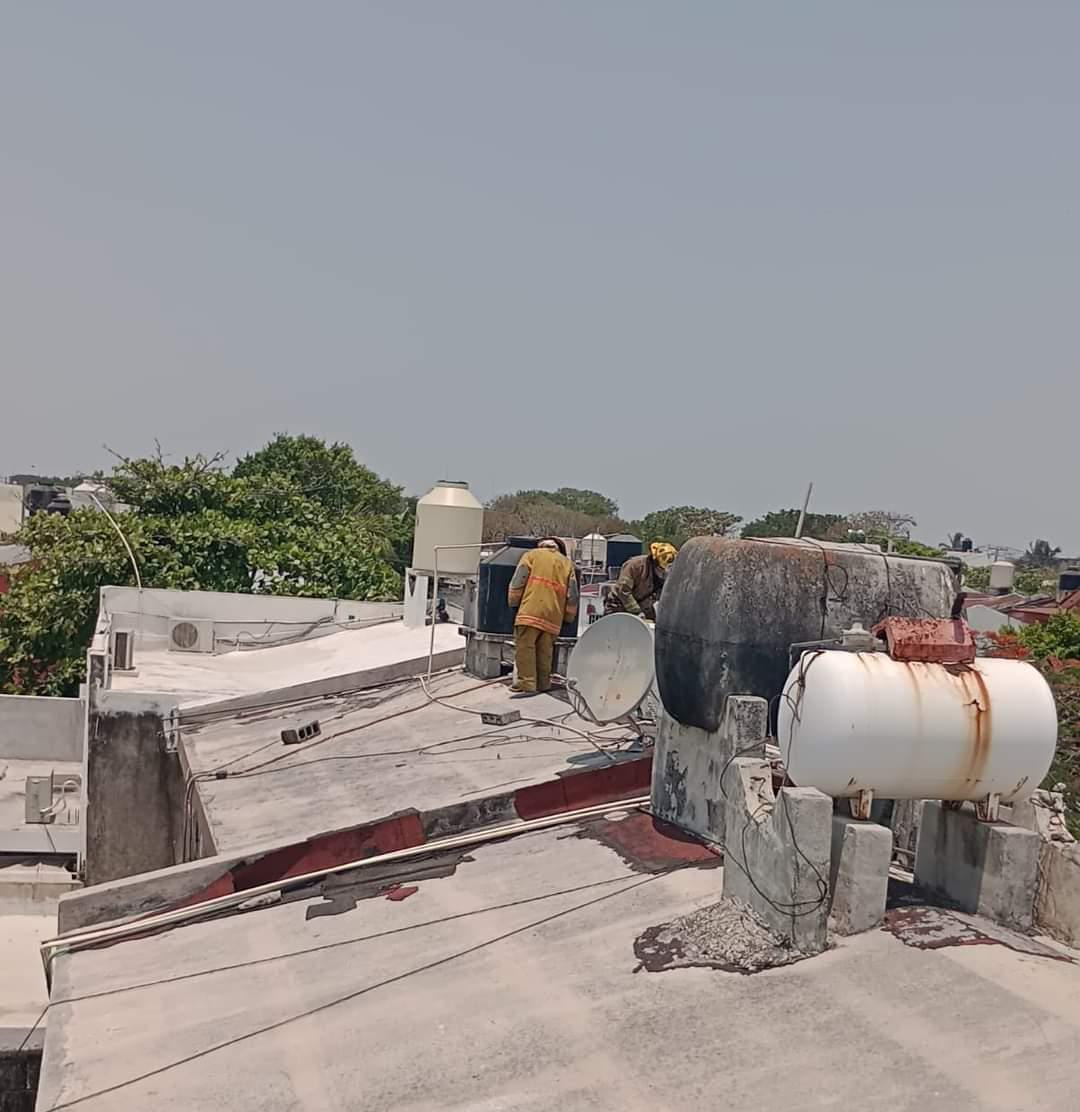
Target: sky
point(694, 252)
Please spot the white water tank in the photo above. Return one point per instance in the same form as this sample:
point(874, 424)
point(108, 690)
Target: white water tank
point(448, 514)
point(1002, 574)
point(863, 721)
point(594, 549)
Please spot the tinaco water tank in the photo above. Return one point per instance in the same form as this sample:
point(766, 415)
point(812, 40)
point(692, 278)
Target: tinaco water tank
point(448, 515)
point(732, 609)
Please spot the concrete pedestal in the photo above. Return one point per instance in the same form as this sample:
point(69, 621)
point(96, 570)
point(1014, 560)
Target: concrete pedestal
point(983, 868)
point(859, 874)
point(688, 764)
point(776, 853)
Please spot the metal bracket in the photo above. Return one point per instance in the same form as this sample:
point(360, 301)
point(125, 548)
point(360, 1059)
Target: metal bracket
point(986, 810)
point(860, 804)
point(172, 731)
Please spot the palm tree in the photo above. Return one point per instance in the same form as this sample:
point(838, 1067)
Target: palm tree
point(1040, 554)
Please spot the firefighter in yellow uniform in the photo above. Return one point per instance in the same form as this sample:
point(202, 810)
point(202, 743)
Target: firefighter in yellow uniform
point(637, 590)
point(544, 591)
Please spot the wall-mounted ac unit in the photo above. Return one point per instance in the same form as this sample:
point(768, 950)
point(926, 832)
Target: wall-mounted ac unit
point(188, 636)
point(123, 646)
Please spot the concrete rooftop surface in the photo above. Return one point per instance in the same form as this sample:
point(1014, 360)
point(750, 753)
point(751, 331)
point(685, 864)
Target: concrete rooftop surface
point(199, 678)
point(516, 976)
point(380, 752)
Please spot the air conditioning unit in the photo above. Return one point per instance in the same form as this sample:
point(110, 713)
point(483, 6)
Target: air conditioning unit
point(191, 636)
point(123, 647)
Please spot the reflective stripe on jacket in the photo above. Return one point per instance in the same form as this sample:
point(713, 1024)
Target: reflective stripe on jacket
point(544, 590)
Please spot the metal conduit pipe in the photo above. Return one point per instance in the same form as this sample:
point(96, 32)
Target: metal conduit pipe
point(139, 925)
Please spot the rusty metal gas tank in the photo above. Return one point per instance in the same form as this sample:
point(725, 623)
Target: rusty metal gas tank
point(731, 609)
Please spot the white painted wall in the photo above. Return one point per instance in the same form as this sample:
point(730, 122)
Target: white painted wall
point(150, 613)
point(40, 727)
point(11, 508)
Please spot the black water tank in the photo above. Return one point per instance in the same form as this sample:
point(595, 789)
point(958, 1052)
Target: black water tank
point(493, 612)
point(732, 608)
point(621, 548)
point(1069, 580)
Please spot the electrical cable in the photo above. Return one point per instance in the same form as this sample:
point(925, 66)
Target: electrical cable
point(33, 1027)
point(350, 996)
point(339, 944)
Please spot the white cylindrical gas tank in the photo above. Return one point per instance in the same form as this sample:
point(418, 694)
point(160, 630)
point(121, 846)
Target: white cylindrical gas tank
point(448, 515)
point(1002, 574)
point(850, 722)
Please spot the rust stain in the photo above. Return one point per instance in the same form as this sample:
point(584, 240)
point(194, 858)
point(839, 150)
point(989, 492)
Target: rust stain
point(982, 727)
point(650, 845)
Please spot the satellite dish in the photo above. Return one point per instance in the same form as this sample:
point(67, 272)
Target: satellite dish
point(612, 668)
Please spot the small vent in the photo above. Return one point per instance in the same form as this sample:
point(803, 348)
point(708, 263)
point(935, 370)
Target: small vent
point(191, 637)
point(122, 653)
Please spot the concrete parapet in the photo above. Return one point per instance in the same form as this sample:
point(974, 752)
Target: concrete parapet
point(688, 764)
point(859, 874)
point(983, 868)
point(776, 852)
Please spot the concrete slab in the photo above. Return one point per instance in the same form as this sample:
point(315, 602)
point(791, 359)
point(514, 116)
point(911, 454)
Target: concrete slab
point(984, 868)
point(17, 836)
point(200, 678)
point(514, 984)
point(379, 753)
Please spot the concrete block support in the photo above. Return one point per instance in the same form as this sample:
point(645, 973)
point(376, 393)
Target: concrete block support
point(989, 869)
point(1057, 905)
point(859, 874)
point(688, 763)
point(776, 852)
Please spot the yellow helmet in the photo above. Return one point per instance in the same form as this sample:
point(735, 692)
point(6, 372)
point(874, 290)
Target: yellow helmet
point(663, 554)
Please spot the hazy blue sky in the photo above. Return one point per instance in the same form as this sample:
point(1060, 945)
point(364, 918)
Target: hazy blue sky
point(683, 252)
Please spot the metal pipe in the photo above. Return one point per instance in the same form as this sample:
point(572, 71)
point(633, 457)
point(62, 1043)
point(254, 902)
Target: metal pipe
point(135, 925)
point(802, 512)
point(435, 591)
point(120, 534)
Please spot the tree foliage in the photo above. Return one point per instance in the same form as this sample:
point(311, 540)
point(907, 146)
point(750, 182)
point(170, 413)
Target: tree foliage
point(879, 525)
point(782, 523)
point(539, 513)
point(1055, 640)
point(589, 502)
point(977, 579)
point(906, 547)
point(194, 526)
point(678, 524)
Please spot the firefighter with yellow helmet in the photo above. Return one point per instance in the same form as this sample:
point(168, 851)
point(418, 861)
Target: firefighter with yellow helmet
point(640, 582)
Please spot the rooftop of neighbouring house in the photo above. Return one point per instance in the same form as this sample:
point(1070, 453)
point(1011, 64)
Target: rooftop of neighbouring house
point(39, 744)
point(252, 644)
point(380, 752)
point(571, 967)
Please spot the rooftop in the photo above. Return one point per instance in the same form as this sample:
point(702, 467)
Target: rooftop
point(379, 752)
point(546, 970)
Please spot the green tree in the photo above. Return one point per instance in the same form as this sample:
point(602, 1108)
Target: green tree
point(537, 513)
point(192, 527)
point(882, 525)
point(678, 524)
point(977, 579)
point(782, 523)
point(905, 547)
point(1033, 581)
point(326, 473)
